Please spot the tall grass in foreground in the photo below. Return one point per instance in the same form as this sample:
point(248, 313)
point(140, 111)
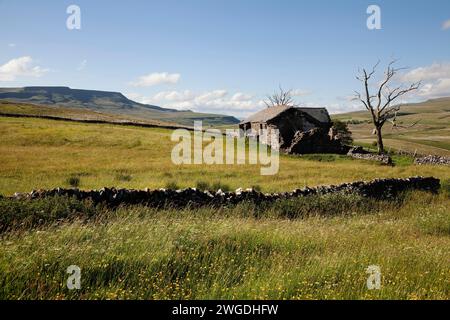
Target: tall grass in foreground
point(288, 250)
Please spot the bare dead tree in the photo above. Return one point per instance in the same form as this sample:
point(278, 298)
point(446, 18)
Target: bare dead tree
point(380, 104)
point(395, 125)
point(280, 98)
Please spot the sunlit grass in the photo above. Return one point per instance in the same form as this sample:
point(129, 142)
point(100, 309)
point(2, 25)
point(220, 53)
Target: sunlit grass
point(140, 253)
point(37, 153)
point(302, 249)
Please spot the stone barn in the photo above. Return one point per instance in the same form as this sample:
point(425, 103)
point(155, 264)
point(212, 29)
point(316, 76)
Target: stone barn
point(302, 130)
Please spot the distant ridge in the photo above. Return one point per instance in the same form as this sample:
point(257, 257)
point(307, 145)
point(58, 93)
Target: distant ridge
point(66, 96)
point(107, 102)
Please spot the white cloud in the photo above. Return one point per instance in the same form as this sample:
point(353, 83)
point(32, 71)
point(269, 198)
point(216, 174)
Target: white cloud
point(210, 97)
point(433, 72)
point(156, 78)
point(436, 89)
point(20, 67)
point(239, 96)
point(446, 25)
point(215, 101)
point(82, 65)
point(11, 45)
point(336, 108)
point(239, 104)
point(435, 80)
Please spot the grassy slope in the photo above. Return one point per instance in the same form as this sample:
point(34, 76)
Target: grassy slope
point(209, 253)
point(70, 113)
point(430, 135)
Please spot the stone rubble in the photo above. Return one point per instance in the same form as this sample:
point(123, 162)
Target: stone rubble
point(315, 141)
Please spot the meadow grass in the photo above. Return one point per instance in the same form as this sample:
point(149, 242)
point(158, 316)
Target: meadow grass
point(37, 153)
point(280, 251)
point(307, 248)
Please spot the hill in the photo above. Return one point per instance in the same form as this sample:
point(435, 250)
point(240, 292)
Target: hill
point(25, 110)
point(431, 135)
point(107, 102)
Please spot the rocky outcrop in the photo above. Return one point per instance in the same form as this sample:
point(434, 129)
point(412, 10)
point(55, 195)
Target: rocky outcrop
point(433, 160)
point(360, 153)
point(378, 188)
point(315, 140)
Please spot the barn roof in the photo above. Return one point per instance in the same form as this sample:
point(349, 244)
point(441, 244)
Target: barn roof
point(266, 114)
point(321, 114)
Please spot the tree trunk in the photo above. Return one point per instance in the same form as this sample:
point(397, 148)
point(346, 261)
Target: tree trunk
point(379, 140)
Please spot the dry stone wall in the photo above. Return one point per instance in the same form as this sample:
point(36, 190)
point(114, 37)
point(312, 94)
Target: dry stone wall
point(378, 188)
point(433, 160)
point(360, 153)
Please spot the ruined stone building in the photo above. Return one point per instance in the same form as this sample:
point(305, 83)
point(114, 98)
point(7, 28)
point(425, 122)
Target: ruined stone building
point(302, 130)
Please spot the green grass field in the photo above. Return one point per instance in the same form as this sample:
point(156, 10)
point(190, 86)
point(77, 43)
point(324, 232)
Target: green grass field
point(301, 249)
point(243, 252)
point(38, 153)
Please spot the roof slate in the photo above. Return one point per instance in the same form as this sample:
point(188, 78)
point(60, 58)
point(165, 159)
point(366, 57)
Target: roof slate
point(321, 114)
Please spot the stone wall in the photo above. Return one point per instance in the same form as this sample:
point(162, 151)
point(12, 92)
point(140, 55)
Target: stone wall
point(433, 160)
point(360, 153)
point(379, 188)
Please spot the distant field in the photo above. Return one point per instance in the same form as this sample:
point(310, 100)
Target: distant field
point(431, 135)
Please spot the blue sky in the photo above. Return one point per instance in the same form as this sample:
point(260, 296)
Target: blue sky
point(223, 56)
